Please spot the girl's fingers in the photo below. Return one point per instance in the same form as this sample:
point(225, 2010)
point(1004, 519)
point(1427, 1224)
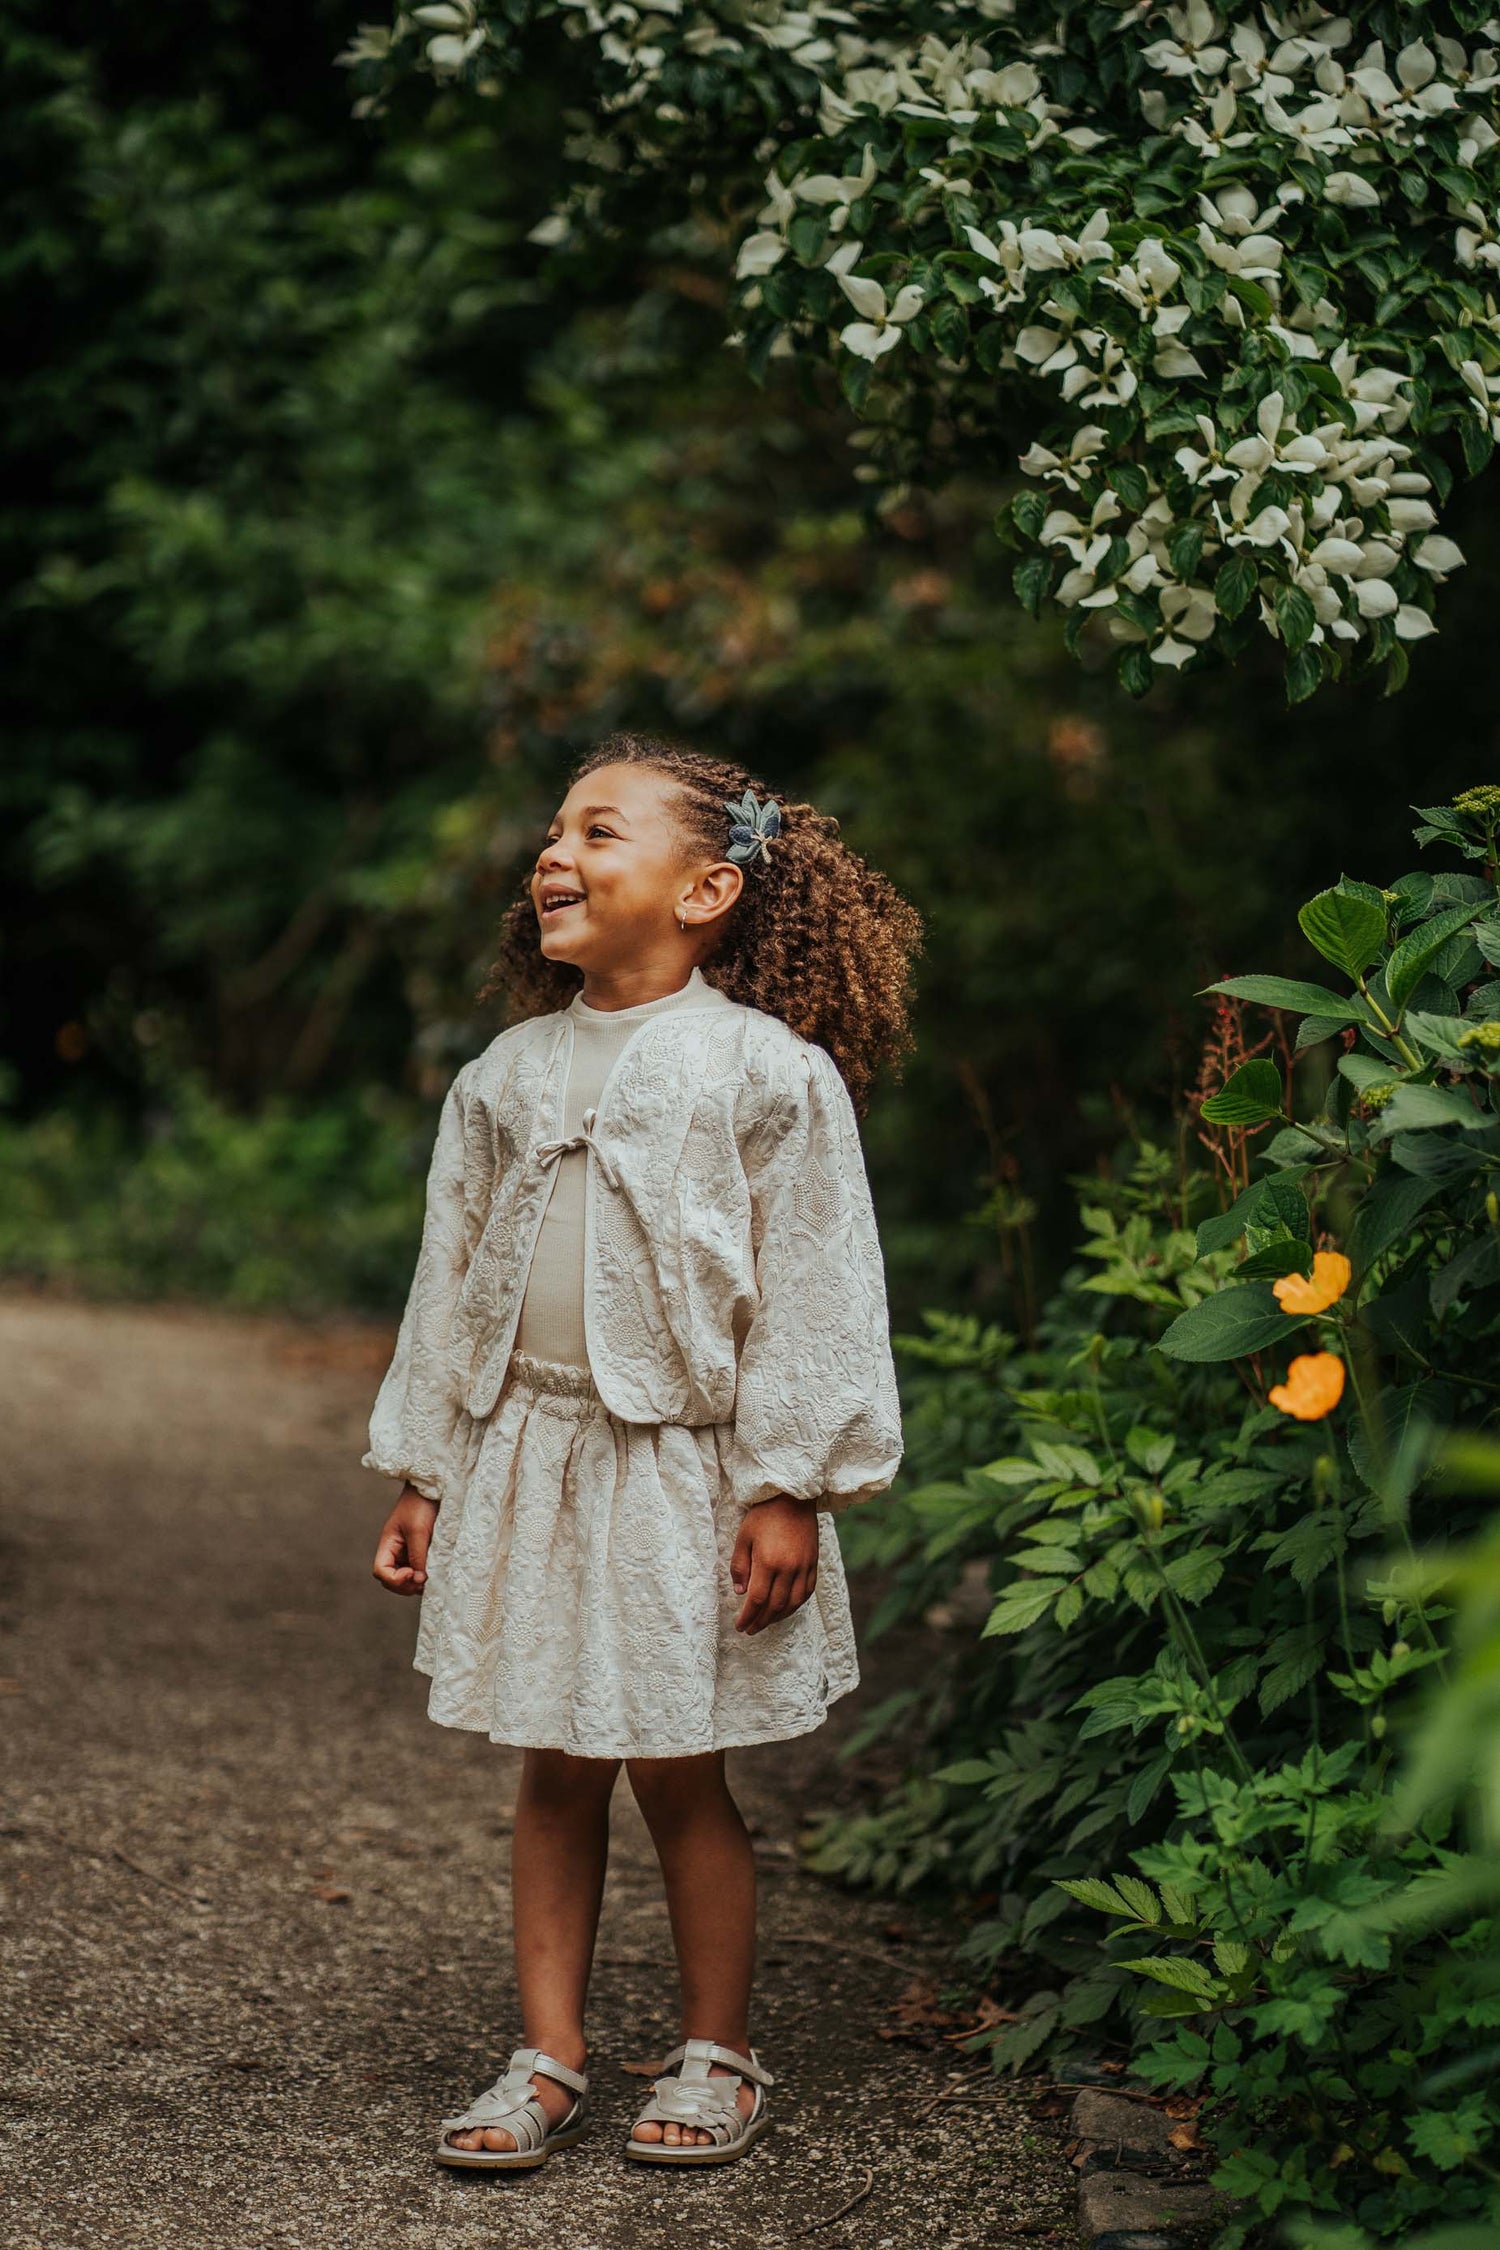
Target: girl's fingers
point(777, 1602)
point(740, 1561)
point(758, 1593)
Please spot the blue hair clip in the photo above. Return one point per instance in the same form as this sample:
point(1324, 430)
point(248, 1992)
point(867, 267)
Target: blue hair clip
point(752, 825)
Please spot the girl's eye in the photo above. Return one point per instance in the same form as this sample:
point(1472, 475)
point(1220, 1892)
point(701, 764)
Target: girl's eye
point(598, 829)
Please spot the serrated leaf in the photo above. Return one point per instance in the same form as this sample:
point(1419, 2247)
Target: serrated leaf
point(1253, 1096)
point(967, 1773)
point(1346, 929)
point(1229, 1325)
point(1295, 615)
point(1403, 971)
point(1419, 1108)
point(1293, 995)
point(1022, 1605)
point(1183, 1976)
point(1140, 1896)
point(1235, 585)
point(1090, 1890)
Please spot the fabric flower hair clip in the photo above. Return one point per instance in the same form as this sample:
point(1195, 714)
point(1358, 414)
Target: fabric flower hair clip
point(752, 826)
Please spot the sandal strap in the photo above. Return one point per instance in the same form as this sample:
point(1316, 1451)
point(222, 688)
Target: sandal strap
point(511, 2105)
point(697, 2054)
point(531, 2062)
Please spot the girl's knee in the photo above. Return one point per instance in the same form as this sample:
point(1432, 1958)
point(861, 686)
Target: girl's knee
point(671, 1788)
point(556, 1775)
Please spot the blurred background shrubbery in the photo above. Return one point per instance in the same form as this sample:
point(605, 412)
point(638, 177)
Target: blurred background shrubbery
point(334, 529)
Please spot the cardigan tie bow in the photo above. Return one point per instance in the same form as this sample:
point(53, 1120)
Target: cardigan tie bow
point(547, 1152)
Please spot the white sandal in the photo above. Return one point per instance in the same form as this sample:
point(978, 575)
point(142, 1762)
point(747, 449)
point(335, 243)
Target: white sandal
point(696, 2097)
point(512, 2106)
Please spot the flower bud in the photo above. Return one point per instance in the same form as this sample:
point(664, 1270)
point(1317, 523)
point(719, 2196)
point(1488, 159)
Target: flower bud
point(1150, 1510)
point(1401, 1648)
point(1377, 1726)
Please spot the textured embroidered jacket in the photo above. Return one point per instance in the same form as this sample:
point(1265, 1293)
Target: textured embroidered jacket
point(732, 1270)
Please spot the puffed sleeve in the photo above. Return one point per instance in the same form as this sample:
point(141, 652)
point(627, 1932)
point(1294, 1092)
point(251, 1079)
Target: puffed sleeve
point(416, 1411)
point(816, 1411)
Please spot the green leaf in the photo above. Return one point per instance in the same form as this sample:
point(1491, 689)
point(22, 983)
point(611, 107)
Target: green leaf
point(1032, 580)
point(967, 1774)
point(1021, 1605)
point(1403, 971)
point(1185, 550)
point(1476, 1267)
point(1234, 585)
point(1346, 929)
point(1230, 1324)
point(1142, 1900)
point(1069, 1464)
point(1183, 1976)
point(1413, 1108)
point(1304, 674)
point(1295, 615)
point(1251, 1097)
point(1278, 1201)
point(1089, 1890)
point(1386, 1214)
point(1136, 671)
point(1131, 483)
point(1296, 997)
point(1276, 1259)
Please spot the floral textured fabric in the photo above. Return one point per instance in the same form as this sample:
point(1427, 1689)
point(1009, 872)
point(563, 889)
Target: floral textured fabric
point(579, 1596)
point(738, 1348)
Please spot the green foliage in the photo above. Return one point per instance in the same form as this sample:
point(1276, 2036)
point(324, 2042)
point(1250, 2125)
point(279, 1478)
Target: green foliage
point(1207, 1633)
point(297, 1209)
point(1232, 282)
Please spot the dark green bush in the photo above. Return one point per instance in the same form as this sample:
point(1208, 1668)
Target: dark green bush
point(1206, 1613)
point(295, 1209)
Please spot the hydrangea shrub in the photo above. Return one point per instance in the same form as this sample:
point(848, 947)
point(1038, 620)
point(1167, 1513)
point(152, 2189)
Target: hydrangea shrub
point(1219, 284)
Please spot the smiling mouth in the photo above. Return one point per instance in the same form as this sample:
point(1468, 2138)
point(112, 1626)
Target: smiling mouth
point(558, 901)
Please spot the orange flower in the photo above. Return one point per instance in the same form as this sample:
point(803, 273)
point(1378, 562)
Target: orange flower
point(1315, 1291)
point(1313, 1387)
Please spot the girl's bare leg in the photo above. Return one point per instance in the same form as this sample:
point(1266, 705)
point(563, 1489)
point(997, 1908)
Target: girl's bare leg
point(709, 1870)
point(559, 1851)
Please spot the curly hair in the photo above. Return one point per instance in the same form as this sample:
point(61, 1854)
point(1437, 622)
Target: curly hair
point(816, 936)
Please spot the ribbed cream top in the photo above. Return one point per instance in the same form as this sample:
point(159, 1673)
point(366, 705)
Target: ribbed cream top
point(551, 1323)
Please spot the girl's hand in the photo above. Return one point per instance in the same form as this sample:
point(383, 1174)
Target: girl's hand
point(775, 1561)
point(401, 1556)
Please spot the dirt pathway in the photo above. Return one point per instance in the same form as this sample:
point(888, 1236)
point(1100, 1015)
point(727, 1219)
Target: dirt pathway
point(257, 1904)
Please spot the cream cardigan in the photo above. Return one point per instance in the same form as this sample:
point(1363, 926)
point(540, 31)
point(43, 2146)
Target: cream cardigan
point(732, 1268)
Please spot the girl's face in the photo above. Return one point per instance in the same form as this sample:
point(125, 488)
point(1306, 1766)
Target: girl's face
point(616, 872)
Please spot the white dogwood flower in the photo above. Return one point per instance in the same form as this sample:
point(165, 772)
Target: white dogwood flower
point(1352, 190)
point(878, 330)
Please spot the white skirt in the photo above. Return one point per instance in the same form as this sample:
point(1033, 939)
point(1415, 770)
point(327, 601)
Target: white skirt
point(578, 1592)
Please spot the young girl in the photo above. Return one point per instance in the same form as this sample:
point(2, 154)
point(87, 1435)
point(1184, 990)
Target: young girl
point(644, 1360)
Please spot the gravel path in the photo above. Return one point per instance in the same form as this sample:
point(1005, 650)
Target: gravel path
point(257, 1908)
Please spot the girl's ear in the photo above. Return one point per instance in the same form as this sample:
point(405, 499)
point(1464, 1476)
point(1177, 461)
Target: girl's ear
point(711, 894)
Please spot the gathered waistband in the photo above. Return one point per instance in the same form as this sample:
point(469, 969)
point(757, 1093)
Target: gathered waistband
point(551, 1377)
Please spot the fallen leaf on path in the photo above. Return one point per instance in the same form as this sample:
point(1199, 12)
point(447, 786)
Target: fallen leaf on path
point(331, 1895)
point(642, 2069)
point(1186, 2135)
point(916, 2011)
